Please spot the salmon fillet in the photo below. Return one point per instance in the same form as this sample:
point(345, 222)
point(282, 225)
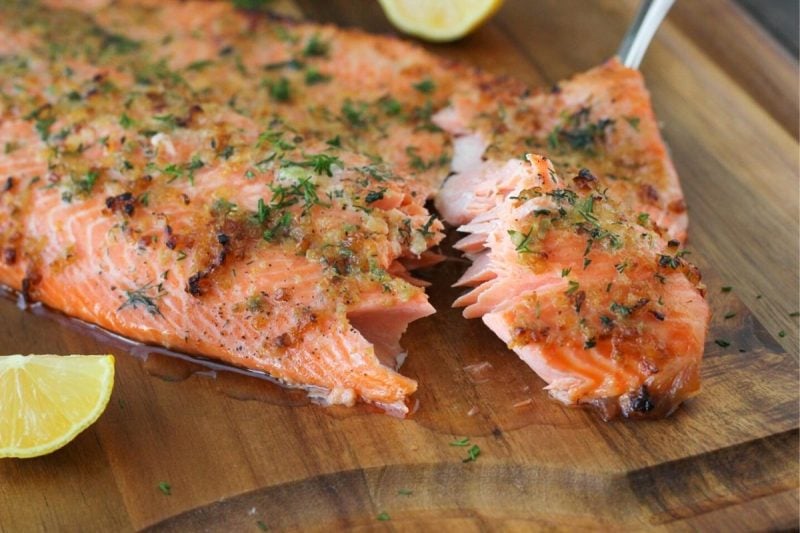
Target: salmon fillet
point(581, 275)
point(253, 190)
point(222, 184)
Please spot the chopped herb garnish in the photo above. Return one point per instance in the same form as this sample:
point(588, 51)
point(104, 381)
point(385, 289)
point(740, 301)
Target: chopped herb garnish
point(320, 163)
point(139, 297)
point(165, 488)
point(572, 286)
point(251, 4)
point(314, 76)
point(426, 86)
point(727, 288)
point(472, 454)
point(722, 343)
point(262, 526)
point(463, 441)
point(169, 120)
point(42, 126)
point(281, 225)
point(374, 196)
point(315, 47)
point(565, 272)
point(199, 65)
point(125, 121)
point(336, 142)
point(280, 90)
point(293, 64)
point(384, 516)
point(729, 315)
point(621, 310)
point(354, 114)
point(405, 492)
point(521, 240)
point(227, 152)
point(590, 343)
point(781, 333)
point(391, 106)
point(85, 184)
point(643, 219)
point(634, 122)
point(425, 230)
point(263, 212)
point(579, 133)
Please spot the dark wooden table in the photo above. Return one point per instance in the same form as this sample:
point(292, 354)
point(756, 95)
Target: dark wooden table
point(727, 94)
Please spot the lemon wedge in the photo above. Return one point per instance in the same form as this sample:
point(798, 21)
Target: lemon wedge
point(439, 20)
point(46, 400)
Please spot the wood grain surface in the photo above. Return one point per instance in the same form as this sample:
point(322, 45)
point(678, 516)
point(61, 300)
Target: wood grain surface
point(240, 453)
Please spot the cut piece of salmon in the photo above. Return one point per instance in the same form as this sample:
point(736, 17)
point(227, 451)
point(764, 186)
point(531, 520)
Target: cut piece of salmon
point(192, 176)
point(594, 300)
point(601, 120)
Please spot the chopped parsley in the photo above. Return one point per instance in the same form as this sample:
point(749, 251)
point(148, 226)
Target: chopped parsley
point(579, 133)
point(314, 76)
point(729, 315)
point(425, 230)
point(727, 288)
point(374, 196)
point(463, 441)
point(165, 487)
point(125, 121)
point(722, 343)
point(572, 286)
point(320, 163)
point(199, 65)
point(42, 126)
point(405, 492)
point(634, 122)
point(781, 334)
point(315, 47)
point(383, 517)
point(354, 114)
point(425, 86)
point(621, 310)
point(391, 106)
point(643, 219)
point(280, 90)
point(472, 454)
point(85, 184)
point(521, 240)
point(262, 526)
point(139, 298)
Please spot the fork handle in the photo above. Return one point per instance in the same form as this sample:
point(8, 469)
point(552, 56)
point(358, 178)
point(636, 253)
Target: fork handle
point(638, 37)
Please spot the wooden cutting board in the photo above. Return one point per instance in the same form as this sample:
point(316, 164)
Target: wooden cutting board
point(240, 453)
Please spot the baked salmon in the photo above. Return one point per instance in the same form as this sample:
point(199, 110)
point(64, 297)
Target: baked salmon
point(246, 189)
point(253, 190)
point(582, 275)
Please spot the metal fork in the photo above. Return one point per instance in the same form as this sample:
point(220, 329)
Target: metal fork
point(640, 33)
